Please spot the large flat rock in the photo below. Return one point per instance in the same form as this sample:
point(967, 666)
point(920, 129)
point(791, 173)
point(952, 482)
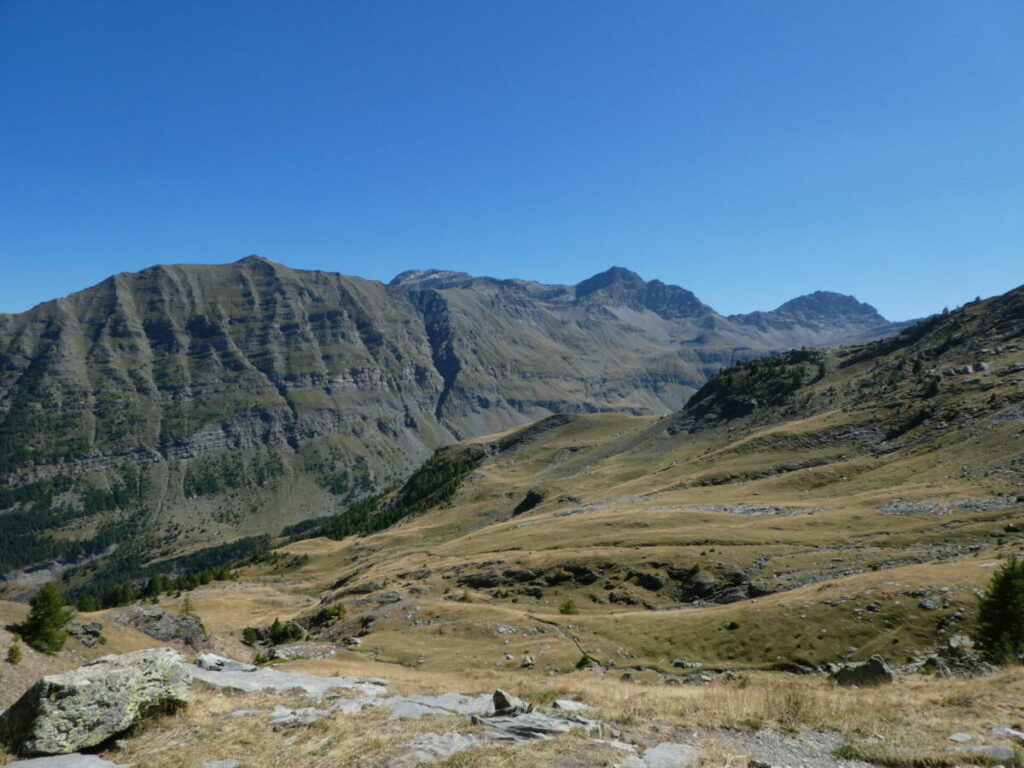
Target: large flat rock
point(267, 679)
point(74, 760)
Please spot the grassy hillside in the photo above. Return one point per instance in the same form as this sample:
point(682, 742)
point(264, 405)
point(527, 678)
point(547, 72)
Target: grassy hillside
point(814, 506)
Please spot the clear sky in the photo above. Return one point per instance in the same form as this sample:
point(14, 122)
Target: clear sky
point(749, 151)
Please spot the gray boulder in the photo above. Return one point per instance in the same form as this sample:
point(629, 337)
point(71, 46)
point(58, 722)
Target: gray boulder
point(957, 659)
point(166, 627)
point(998, 752)
point(874, 671)
point(90, 635)
point(505, 704)
point(83, 708)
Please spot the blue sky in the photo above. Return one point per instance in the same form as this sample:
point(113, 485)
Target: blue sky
point(749, 151)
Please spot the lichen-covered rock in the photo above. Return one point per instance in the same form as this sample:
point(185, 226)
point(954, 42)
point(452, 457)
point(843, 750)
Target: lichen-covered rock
point(75, 710)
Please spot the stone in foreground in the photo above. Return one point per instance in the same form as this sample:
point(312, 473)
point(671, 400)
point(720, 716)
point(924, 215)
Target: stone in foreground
point(83, 708)
point(66, 761)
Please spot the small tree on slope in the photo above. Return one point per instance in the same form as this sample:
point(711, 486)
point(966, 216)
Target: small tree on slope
point(44, 627)
point(1000, 628)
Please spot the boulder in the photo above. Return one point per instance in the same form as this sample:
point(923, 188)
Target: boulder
point(997, 752)
point(507, 705)
point(957, 659)
point(874, 671)
point(151, 620)
point(1008, 733)
point(90, 635)
point(83, 708)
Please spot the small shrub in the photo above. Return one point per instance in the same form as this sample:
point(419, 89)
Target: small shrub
point(14, 654)
point(568, 608)
point(586, 662)
point(732, 626)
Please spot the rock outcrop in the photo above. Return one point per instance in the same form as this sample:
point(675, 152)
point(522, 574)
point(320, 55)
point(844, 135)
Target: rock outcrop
point(83, 708)
point(184, 629)
point(873, 671)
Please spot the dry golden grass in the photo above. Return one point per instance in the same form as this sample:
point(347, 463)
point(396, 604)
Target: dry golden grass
point(914, 718)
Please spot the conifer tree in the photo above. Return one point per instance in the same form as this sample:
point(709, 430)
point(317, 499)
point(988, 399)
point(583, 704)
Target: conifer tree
point(44, 627)
point(1000, 627)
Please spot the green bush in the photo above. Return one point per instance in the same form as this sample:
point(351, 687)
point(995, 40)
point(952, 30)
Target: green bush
point(568, 608)
point(586, 661)
point(14, 654)
point(1000, 619)
point(44, 627)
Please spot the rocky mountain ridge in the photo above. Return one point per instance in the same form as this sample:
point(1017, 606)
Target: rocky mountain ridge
point(252, 396)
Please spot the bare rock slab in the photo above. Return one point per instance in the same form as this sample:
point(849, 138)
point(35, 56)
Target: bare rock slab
point(66, 761)
point(520, 729)
point(670, 755)
point(433, 746)
point(76, 710)
point(266, 679)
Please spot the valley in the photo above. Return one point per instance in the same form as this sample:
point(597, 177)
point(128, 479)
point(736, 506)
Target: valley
point(695, 578)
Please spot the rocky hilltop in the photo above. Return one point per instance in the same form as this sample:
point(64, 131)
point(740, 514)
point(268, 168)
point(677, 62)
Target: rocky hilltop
point(224, 401)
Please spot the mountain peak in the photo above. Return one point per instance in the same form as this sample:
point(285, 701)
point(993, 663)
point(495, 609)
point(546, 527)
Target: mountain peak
point(829, 304)
point(619, 285)
point(432, 278)
point(618, 276)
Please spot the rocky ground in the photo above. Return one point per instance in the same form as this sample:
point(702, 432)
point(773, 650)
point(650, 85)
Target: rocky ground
point(230, 714)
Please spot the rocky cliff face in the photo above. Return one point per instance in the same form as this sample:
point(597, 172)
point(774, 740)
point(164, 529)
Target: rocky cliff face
point(324, 386)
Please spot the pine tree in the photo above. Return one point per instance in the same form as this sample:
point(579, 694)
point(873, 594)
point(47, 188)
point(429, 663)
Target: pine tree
point(1000, 627)
point(44, 627)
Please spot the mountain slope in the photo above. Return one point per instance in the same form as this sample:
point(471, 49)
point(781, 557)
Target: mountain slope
point(191, 405)
point(814, 505)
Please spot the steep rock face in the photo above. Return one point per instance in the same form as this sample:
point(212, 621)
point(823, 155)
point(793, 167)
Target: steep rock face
point(328, 386)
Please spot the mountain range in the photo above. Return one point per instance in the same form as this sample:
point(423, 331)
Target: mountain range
point(215, 402)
